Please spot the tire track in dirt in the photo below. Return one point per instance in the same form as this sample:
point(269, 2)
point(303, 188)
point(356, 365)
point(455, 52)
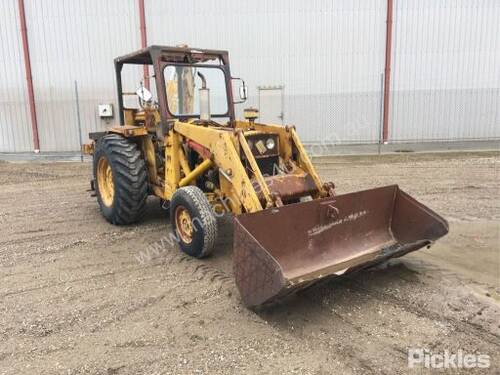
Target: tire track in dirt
point(460, 326)
point(212, 273)
point(218, 280)
point(311, 309)
point(465, 329)
point(185, 265)
point(38, 238)
point(177, 291)
point(74, 281)
point(321, 291)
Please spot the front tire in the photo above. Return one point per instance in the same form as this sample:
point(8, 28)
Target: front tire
point(121, 179)
point(193, 221)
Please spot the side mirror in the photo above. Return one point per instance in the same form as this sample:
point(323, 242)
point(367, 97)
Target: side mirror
point(144, 94)
point(243, 90)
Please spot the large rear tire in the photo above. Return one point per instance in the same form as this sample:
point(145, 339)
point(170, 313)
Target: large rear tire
point(193, 221)
point(121, 179)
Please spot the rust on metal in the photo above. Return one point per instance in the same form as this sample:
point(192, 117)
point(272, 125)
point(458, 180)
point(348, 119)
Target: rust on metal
point(289, 186)
point(203, 151)
point(88, 148)
point(276, 254)
point(160, 57)
point(130, 130)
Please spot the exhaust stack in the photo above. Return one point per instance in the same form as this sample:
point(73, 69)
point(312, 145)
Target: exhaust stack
point(204, 99)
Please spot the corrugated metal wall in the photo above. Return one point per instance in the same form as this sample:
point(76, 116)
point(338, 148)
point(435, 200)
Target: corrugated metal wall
point(15, 128)
point(446, 70)
point(328, 56)
point(76, 40)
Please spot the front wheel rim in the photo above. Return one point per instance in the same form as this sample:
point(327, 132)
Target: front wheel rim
point(184, 224)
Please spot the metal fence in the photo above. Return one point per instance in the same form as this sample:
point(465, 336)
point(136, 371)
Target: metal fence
point(323, 59)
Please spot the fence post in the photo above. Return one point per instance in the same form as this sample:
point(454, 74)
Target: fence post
point(381, 117)
point(78, 119)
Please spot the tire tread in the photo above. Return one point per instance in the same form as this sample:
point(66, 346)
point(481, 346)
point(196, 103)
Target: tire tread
point(129, 177)
point(207, 217)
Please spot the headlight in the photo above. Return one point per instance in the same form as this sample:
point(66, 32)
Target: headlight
point(270, 144)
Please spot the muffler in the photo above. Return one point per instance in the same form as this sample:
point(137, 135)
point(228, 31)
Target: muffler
point(279, 251)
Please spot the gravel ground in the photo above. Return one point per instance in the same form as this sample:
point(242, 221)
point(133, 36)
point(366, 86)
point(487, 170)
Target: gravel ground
point(74, 298)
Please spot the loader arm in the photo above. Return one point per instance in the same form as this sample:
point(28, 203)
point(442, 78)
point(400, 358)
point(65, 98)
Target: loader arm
point(222, 145)
point(290, 142)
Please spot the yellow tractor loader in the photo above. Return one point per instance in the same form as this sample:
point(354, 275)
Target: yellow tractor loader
point(186, 147)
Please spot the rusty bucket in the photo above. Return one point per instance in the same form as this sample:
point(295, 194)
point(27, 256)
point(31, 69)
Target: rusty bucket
point(281, 250)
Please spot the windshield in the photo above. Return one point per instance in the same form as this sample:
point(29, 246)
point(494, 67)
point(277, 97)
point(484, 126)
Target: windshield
point(183, 84)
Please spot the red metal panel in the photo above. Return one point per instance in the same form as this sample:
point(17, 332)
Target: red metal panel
point(387, 71)
point(144, 39)
point(29, 79)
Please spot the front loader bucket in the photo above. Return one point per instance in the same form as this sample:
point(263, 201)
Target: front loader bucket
point(281, 250)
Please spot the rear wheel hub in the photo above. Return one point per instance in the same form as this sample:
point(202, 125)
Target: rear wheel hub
point(105, 181)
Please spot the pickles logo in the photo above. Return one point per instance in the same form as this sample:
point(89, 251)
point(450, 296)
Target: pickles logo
point(419, 357)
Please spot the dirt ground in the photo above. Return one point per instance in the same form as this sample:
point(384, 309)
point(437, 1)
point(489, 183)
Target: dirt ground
point(75, 299)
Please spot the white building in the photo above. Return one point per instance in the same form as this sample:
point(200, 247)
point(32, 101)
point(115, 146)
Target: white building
point(316, 64)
